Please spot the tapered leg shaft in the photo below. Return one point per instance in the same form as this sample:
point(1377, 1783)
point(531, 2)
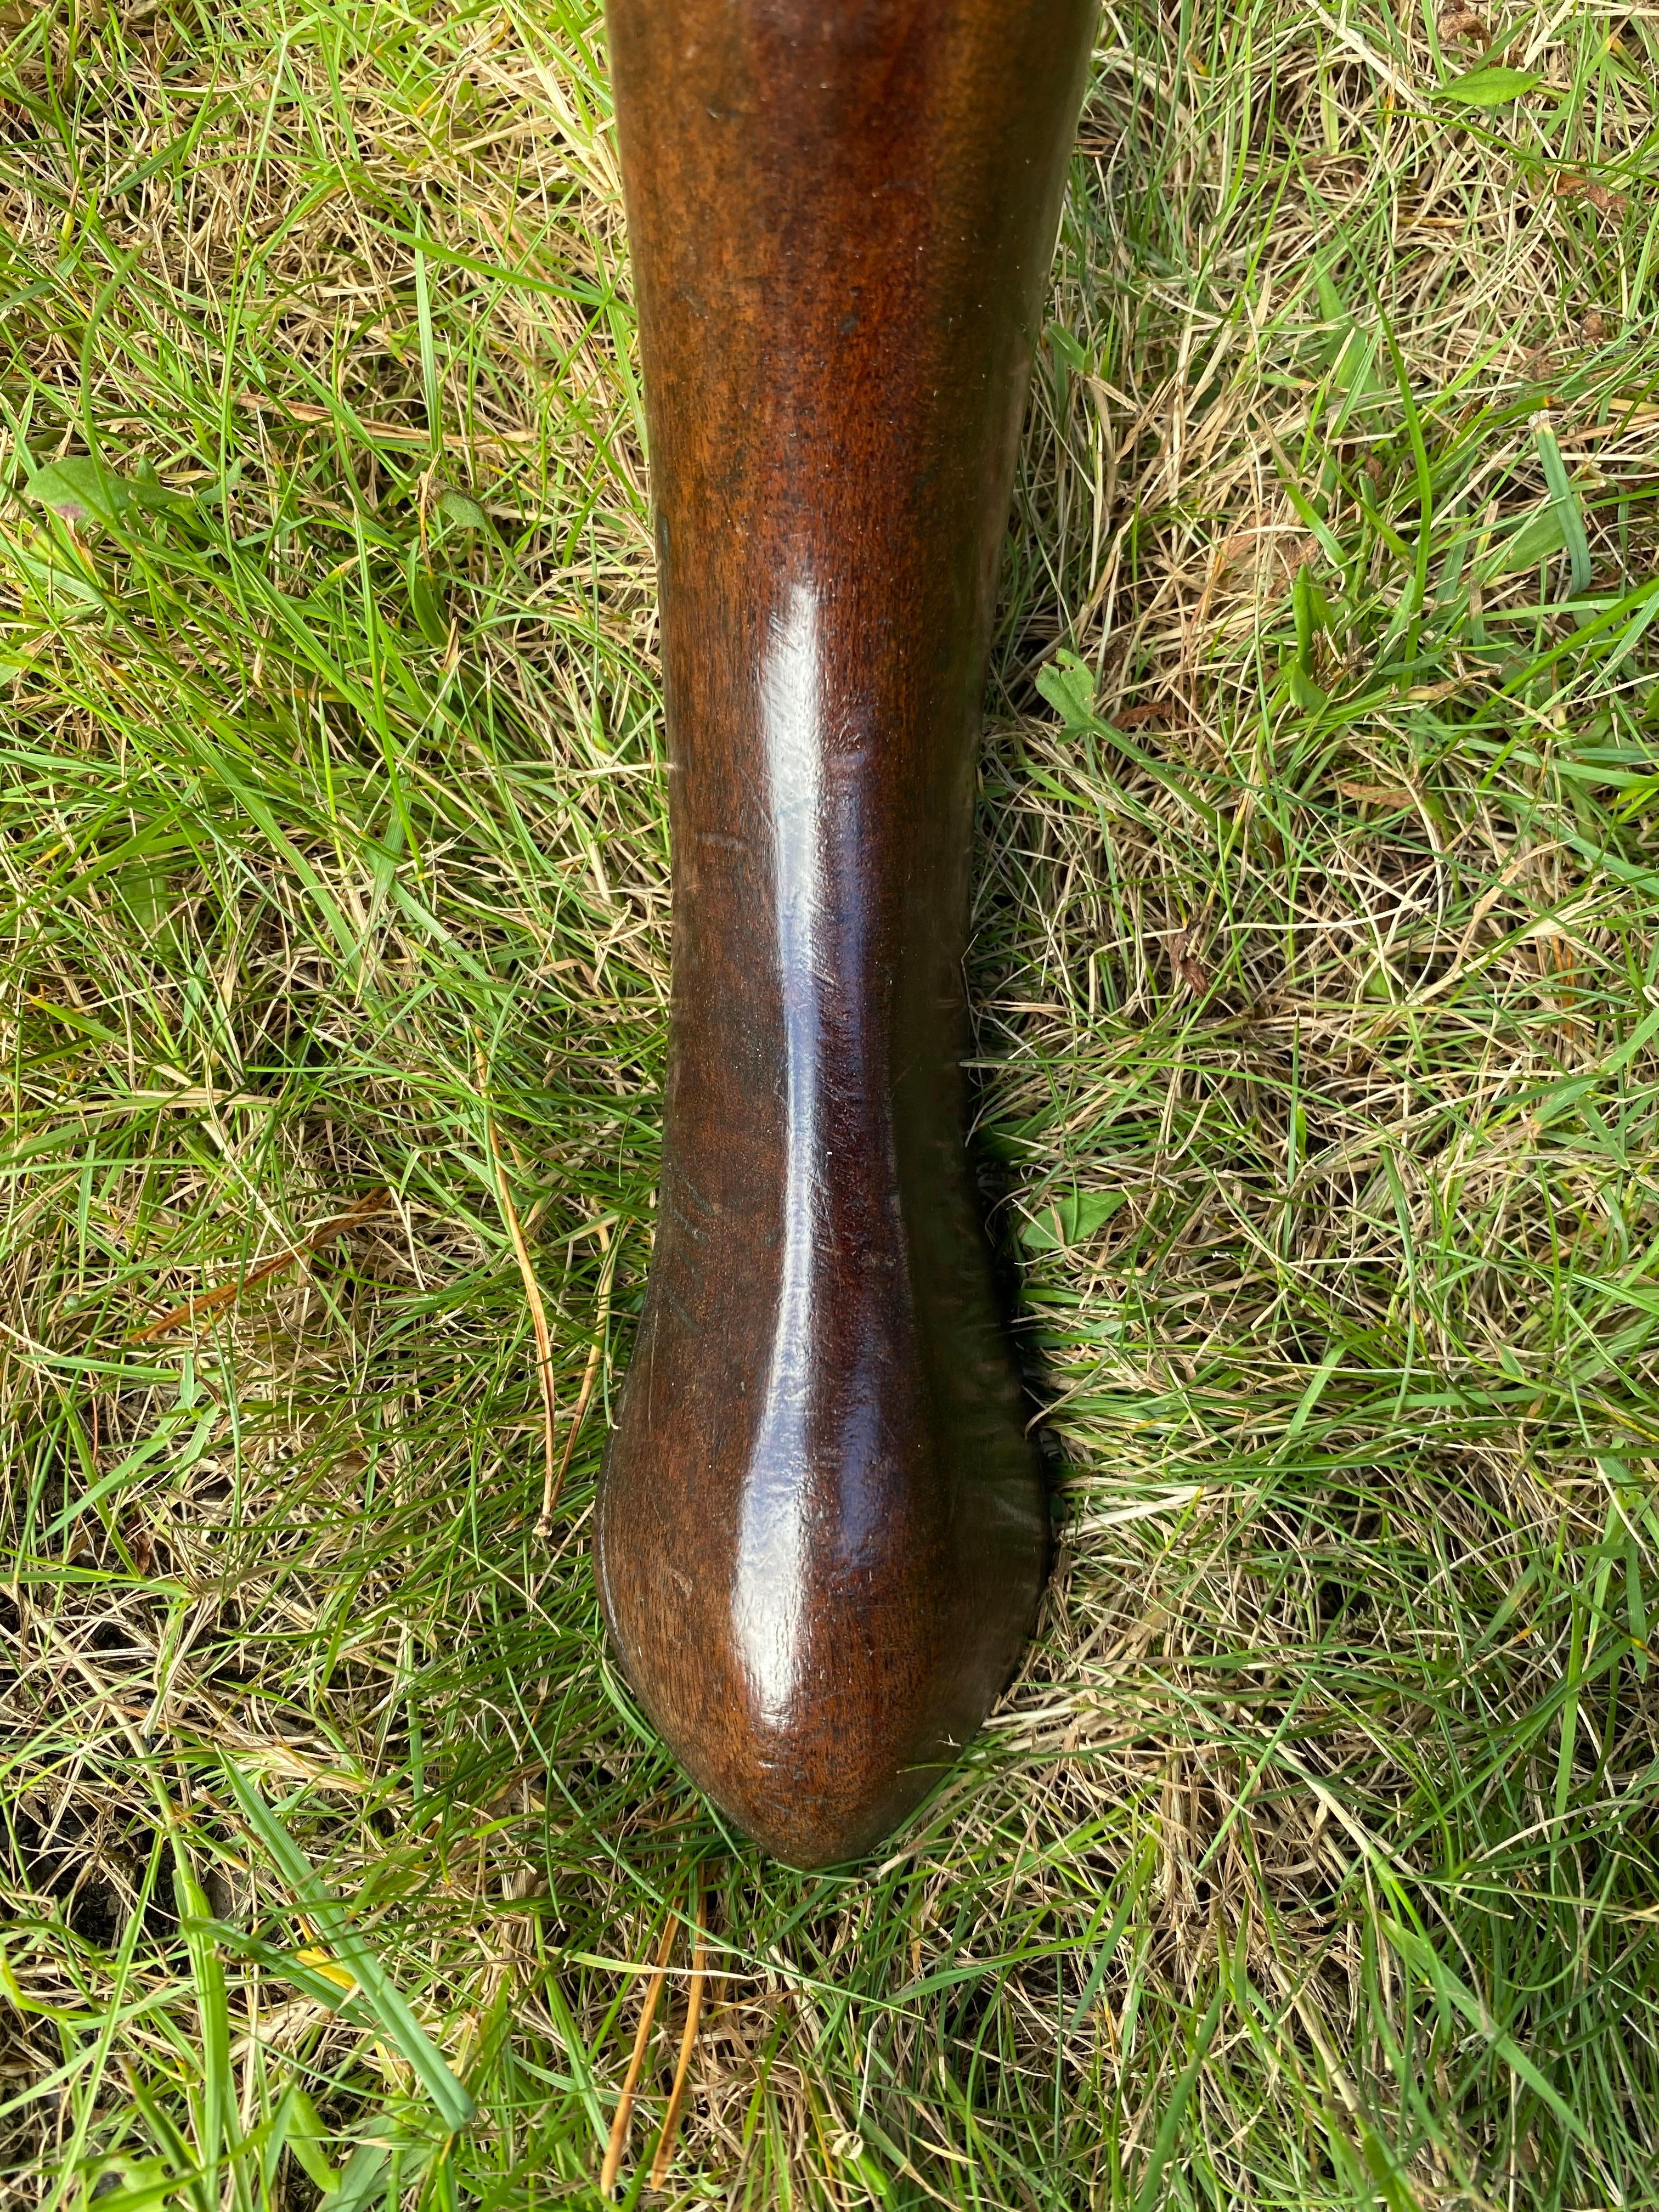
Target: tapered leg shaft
point(822, 1534)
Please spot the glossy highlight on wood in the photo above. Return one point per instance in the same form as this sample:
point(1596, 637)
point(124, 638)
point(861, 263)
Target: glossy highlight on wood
point(822, 1532)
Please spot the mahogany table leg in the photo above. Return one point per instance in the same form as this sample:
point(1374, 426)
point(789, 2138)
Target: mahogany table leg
point(822, 1532)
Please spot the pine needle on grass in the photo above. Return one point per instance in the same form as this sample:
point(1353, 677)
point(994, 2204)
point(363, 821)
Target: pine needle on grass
point(215, 1301)
point(660, 2163)
point(616, 2147)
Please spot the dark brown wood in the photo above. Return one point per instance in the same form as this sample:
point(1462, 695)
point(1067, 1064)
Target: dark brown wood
point(822, 1532)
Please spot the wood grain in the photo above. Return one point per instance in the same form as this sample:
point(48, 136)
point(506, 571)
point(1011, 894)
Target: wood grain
point(822, 1532)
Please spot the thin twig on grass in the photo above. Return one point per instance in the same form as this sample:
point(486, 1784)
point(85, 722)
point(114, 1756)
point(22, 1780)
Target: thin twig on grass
point(207, 1302)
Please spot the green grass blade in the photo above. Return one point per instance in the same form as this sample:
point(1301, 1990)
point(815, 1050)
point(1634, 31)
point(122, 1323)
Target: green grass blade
point(1564, 503)
point(386, 2003)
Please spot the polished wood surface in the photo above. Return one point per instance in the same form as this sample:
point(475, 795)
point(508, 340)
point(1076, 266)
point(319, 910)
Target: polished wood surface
point(822, 1532)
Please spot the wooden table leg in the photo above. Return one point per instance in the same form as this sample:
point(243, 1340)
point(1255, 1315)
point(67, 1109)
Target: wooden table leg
point(822, 1532)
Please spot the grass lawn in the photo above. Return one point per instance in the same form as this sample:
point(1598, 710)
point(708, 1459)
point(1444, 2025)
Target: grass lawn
point(1312, 1859)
